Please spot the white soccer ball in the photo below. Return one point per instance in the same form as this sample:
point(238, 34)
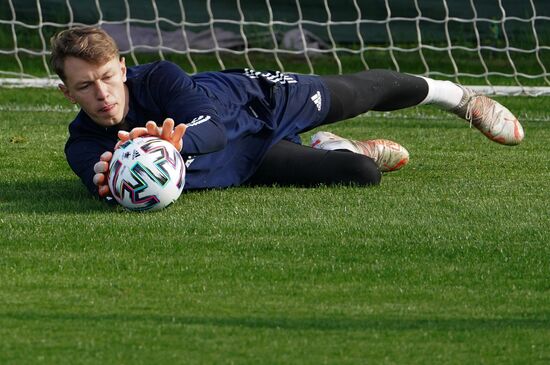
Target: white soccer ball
point(146, 173)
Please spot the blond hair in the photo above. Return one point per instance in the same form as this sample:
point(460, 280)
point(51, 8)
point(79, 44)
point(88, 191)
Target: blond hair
point(90, 44)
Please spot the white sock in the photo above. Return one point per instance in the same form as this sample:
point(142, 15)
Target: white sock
point(445, 94)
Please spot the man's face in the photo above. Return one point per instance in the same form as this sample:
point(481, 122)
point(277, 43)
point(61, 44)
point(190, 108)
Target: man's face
point(98, 89)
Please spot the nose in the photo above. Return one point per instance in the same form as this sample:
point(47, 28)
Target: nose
point(101, 91)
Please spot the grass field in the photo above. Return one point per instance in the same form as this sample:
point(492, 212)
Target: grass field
point(448, 261)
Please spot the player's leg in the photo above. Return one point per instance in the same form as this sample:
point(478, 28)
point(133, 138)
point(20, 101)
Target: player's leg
point(380, 90)
point(290, 164)
point(355, 94)
point(388, 155)
point(385, 90)
point(491, 118)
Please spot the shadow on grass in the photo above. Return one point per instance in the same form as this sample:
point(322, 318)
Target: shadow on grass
point(317, 324)
point(47, 196)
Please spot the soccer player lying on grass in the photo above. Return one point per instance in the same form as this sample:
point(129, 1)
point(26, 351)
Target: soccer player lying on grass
point(241, 127)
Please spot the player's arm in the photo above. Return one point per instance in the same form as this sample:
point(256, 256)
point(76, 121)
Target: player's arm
point(89, 159)
point(168, 132)
point(181, 99)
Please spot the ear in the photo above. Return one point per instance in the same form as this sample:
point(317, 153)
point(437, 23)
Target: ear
point(123, 68)
point(66, 93)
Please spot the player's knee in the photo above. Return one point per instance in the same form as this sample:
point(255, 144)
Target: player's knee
point(362, 170)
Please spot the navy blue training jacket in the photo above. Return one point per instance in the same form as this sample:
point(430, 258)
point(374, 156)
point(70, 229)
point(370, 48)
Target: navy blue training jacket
point(233, 118)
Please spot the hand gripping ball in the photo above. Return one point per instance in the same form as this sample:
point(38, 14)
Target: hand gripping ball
point(146, 173)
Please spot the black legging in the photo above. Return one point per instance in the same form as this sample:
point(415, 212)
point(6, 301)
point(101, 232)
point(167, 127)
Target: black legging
point(287, 163)
point(379, 90)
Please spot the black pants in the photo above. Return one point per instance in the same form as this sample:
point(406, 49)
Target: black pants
point(287, 163)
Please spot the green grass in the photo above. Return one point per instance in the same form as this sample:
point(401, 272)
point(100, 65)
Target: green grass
point(448, 261)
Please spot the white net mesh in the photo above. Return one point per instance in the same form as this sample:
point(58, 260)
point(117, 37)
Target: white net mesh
point(500, 46)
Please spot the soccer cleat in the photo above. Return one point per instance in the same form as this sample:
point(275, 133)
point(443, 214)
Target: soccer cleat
point(388, 155)
point(493, 119)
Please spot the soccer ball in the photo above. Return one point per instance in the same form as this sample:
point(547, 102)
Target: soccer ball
point(146, 173)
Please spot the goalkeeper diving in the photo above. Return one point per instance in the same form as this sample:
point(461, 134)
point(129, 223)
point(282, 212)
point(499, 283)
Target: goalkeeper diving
point(242, 127)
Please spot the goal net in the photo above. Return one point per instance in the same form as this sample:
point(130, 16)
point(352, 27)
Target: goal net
point(497, 46)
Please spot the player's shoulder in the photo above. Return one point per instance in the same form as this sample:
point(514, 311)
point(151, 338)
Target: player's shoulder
point(166, 66)
point(156, 69)
point(159, 75)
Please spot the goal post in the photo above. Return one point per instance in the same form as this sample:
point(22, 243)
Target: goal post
point(497, 46)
